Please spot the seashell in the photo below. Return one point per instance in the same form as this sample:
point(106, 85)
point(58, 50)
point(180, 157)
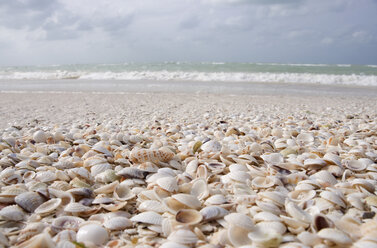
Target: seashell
point(273, 158)
point(238, 236)
point(60, 185)
point(40, 240)
point(66, 223)
point(12, 213)
point(74, 207)
point(48, 206)
point(308, 238)
point(268, 207)
point(183, 236)
point(30, 230)
point(265, 238)
point(40, 136)
point(107, 176)
point(171, 244)
point(364, 184)
point(102, 149)
point(132, 172)
point(152, 205)
point(305, 138)
point(188, 216)
point(114, 207)
point(4, 240)
point(332, 197)
point(301, 195)
point(45, 176)
point(122, 192)
point(241, 220)
point(273, 226)
point(80, 173)
point(262, 182)
point(239, 176)
point(297, 213)
point(65, 235)
point(216, 199)
point(107, 188)
point(92, 233)
point(211, 146)
point(180, 201)
point(168, 183)
point(99, 168)
point(148, 217)
point(276, 197)
point(332, 159)
point(265, 216)
point(314, 163)
point(213, 212)
point(293, 223)
point(320, 221)
point(356, 165)
point(369, 228)
point(117, 223)
point(199, 188)
point(325, 178)
point(102, 199)
point(154, 156)
point(29, 201)
point(64, 196)
point(335, 236)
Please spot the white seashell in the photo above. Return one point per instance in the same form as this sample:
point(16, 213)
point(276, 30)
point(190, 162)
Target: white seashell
point(213, 213)
point(107, 188)
point(368, 185)
point(199, 188)
point(335, 236)
point(183, 236)
point(308, 238)
point(117, 223)
point(40, 240)
point(48, 206)
point(30, 230)
point(294, 223)
point(65, 235)
point(188, 200)
point(273, 158)
point(274, 226)
point(262, 182)
point(314, 163)
point(132, 172)
point(324, 178)
point(305, 138)
point(217, 199)
point(211, 146)
point(171, 244)
point(154, 156)
point(101, 149)
point(265, 216)
point(75, 207)
point(321, 221)
point(152, 205)
point(332, 158)
point(29, 201)
point(238, 236)
point(40, 136)
point(356, 165)
point(332, 197)
point(45, 176)
point(301, 195)
point(241, 220)
point(276, 197)
point(122, 192)
point(148, 217)
point(168, 183)
point(239, 176)
point(265, 238)
point(297, 213)
point(99, 168)
point(188, 216)
point(12, 213)
point(92, 233)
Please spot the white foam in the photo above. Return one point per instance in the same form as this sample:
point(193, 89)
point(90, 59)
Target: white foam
point(265, 77)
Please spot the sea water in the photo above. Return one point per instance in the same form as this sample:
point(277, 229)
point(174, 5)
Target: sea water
point(340, 74)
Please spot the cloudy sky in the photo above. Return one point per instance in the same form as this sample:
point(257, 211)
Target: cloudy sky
point(116, 31)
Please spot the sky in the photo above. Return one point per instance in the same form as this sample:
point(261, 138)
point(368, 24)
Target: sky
point(42, 32)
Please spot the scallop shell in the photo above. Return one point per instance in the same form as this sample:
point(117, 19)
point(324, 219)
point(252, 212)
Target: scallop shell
point(213, 213)
point(117, 223)
point(148, 217)
point(325, 178)
point(199, 188)
point(30, 230)
point(265, 216)
point(75, 207)
point(29, 201)
point(238, 236)
point(107, 188)
point(152, 205)
point(66, 223)
point(92, 233)
point(188, 216)
point(48, 206)
point(99, 168)
point(216, 199)
point(179, 201)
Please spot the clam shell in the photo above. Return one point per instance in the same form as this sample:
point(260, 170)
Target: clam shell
point(320, 221)
point(356, 165)
point(274, 226)
point(241, 220)
point(40, 136)
point(132, 172)
point(13, 213)
point(216, 199)
point(66, 223)
point(262, 182)
point(168, 183)
point(188, 216)
point(117, 223)
point(297, 213)
point(190, 201)
point(171, 244)
point(183, 236)
point(324, 178)
point(48, 206)
point(122, 192)
point(238, 236)
point(305, 138)
point(144, 155)
point(332, 197)
point(40, 240)
point(211, 146)
point(273, 158)
point(331, 158)
point(265, 216)
point(75, 207)
point(335, 236)
point(199, 188)
point(30, 230)
point(152, 205)
point(92, 233)
point(29, 201)
point(107, 188)
point(148, 217)
point(213, 213)
point(99, 168)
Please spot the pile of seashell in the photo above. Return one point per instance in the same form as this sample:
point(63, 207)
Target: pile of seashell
point(287, 183)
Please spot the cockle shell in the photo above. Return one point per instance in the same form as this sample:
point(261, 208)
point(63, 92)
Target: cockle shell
point(13, 213)
point(92, 233)
point(168, 183)
point(241, 220)
point(335, 236)
point(29, 201)
point(265, 216)
point(152, 205)
point(183, 236)
point(117, 223)
point(332, 197)
point(211, 146)
point(66, 223)
point(99, 168)
point(40, 136)
point(30, 230)
point(213, 213)
point(107, 188)
point(179, 201)
point(148, 217)
point(356, 165)
point(75, 207)
point(297, 213)
point(216, 199)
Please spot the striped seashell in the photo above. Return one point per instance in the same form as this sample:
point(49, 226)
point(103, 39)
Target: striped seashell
point(145, 155)
point(29, 201)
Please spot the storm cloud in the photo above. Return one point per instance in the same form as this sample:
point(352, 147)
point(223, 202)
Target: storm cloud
point(117, 31)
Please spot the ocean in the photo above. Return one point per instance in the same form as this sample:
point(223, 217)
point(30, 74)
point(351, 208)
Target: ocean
point(326, 74)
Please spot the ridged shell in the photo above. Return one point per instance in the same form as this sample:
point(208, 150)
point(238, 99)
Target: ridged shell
point(48, 206)
point(213, 213)
point(152, 205)
point(154, 156)
point(148, 217)
point(123, 193)
point(332, 197)
point(75, 207)
point(188, 216)
point(117, 223)
point(211, 146)
point(168, 183)
point(240, 220)
point(183, 236)
point(99, 168)
point(29, 201)
point(132, 172)
point(297, 213)
point(356, 165)
point(217, 199)
point(66, 223)
point(13, 213)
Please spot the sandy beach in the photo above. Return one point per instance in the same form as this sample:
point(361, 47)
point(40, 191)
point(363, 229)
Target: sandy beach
point(189, 169)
